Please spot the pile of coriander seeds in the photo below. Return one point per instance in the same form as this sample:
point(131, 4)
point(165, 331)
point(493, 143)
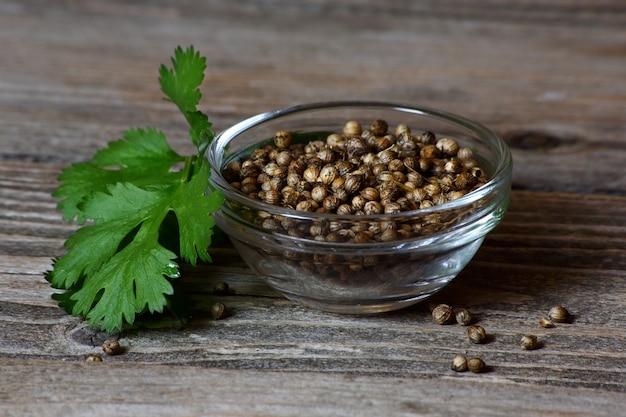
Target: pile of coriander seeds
point(372, 171)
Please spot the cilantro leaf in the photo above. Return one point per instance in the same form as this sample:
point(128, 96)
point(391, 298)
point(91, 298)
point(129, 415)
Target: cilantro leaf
point(122, 263)
point(119, 283)
point(181, 82)
point(193, 212)
point(181, 85)
point(141, 156)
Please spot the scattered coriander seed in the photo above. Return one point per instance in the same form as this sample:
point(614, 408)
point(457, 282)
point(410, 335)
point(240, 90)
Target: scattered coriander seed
point(93, 358)
point(476, 365)
point(112, 347)
point(463, 317)
point(221, 287)
point(218, 311)
point(442, 314)
point(528, 342)
point(476, 334)
point(559, 314)
point(546, 323)
point(459, 363)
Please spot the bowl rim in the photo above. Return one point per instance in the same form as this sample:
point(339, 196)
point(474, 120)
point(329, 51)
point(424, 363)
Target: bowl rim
point(500, 178)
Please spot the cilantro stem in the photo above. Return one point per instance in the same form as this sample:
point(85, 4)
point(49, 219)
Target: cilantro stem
point(188, 168)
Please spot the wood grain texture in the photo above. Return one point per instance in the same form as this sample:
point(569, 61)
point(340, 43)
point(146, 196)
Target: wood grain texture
point(155, 390)
point(548, 76)
point(551, 249)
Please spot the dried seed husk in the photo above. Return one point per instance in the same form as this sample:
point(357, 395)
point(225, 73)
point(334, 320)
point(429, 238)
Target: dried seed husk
point(218, 311)
point(546, 323)
point(463, 316)
point(282, 139)
point(476, 365)
point(356, 147)
point(442, 314)
point(221, 288)
point(352, 128)
point(528, 342)
point(379, 127)
point(112, 347)
point(559, 314)
point(427, 138)
point(476, 334)
point(447, 146)
point(465, 153)
point(459, 363)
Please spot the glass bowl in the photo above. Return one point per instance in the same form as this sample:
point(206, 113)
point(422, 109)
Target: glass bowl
point(341, 275)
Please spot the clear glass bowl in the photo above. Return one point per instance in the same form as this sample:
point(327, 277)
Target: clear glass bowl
point(358, 278)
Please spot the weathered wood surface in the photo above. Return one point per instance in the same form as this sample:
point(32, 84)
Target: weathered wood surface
point(548, 76)
point(551, 249)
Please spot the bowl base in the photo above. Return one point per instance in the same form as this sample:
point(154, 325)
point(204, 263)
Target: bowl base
point(370, 308)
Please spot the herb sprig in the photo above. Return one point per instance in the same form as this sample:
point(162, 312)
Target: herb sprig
point(140, 215)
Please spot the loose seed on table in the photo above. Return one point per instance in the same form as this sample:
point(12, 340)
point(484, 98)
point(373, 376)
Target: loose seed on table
point(463, 317)
point(218, 311)
point(559, 314)
point(459, 363)
point(546, 323)
point(476, 334)
point(476, 365)
point(112, 347)
point(528, 342)
point(442, 314)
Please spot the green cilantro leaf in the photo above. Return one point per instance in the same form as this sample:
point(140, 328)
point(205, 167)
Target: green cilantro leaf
point(143, 213)
point(181, 85)
point(140, 157)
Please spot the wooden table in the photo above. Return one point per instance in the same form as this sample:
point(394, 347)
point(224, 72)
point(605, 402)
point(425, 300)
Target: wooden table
point(549, 77)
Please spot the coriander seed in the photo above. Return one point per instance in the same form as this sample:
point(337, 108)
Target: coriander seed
point(356, 147)
point(442, 314)
point(476, 334)
point(358, 172)
point(221, 288)
point(559, 314)
point(459, 363)
point(546, 323)
point(427, 138)
point(112, 347)
point(282, 139)
point(528, 342)
point(311, 174)
point(402, 129)
point(93, 358)
point(465, 153)
point(476, 365)
point(463, 317)
point(447, 146)
point(352, 128)
point(379, 127)
point(218, 311)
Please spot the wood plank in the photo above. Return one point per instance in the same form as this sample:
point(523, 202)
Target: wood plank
point(68, 389)
point(515, 278)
